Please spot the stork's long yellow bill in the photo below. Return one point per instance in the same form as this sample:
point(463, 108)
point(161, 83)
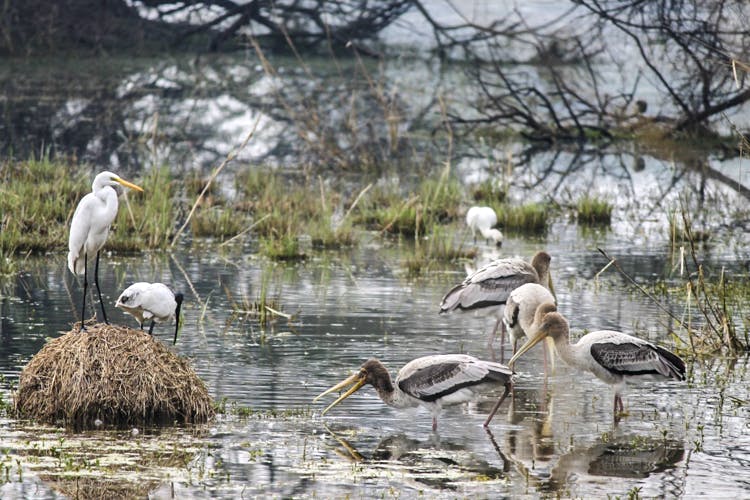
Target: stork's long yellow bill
point(358, 380)
point(127, 184)
point(538, 337)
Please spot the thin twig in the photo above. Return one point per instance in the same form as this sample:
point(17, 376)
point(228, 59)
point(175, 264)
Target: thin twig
point(613, 262)
point(356, 200)
point(231, 156)
point(245, 231)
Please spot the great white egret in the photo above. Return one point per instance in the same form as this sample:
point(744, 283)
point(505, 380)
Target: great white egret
point(484, 219)
point(89, 229)
point(431, 381)
point(488, 288)
point(151, 301)
point(520, 309)
point(613, 357)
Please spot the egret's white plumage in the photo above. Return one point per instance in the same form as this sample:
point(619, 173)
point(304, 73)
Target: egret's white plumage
point(151, 301)
point(613, 357)
point(520, 309)
point(89, 229)
point(488, 288)
point(483, 220)
point(430, 381)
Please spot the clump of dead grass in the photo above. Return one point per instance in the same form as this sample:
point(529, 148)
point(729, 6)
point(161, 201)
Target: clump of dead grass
point(120, 376)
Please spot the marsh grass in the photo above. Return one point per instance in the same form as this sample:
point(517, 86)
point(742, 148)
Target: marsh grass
point(433, 202)
point(436, 249)
point(289, 208)
point(37, 201)
point(528, 218)
point(265, 309)
point(490, 191)
point(146, 220)
point(593, 210)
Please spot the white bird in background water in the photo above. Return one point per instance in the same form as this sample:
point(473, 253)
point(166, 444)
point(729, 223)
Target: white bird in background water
point(484, 219)
point(488, 288)
point(90, 227)
point(613, 357)
point(430, 381)
point(520, 309)
point(151, 301)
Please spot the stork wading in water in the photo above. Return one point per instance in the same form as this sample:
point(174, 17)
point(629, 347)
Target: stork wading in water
point(431, 381)
point(519, 316)
point(89, 230)
point(483, 220)
point(613, 357)
point(488, 288)
point(151, 301)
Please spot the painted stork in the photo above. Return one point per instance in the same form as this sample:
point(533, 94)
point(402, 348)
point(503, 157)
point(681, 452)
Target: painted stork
point(483, 220)
point(519, 314)
point(488, 288)
point(89, 229)
point(151, 301)
point(613, 357)
point(430, 381)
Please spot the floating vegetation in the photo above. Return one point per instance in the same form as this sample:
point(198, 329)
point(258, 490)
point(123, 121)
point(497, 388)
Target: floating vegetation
point(593, 210)
point(113, 376)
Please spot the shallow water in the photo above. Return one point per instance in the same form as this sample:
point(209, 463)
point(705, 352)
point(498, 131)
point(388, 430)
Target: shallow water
point(553, 438)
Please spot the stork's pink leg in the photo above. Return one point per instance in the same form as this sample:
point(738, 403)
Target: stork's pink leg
point(508, 388)
point(434, 424)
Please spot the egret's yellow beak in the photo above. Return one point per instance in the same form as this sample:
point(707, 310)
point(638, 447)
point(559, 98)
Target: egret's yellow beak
point(127, 184)
point(356, 381)
point(538, 337)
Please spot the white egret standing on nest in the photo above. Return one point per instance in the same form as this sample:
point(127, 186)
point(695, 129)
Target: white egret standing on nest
point(430, 381)
point(484, 219)
point(89, 229)
point(613, 357)
point(488, 288)
point(151, 301)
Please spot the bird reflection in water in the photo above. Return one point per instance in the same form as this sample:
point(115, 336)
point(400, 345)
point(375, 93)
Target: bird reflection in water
point(433, 461)
point(633, 456)
point(530, 447)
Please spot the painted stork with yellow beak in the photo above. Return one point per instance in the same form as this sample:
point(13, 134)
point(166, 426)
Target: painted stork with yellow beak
point(488, 288)
point(430, 381)
point(613, 357)
point(519, 315)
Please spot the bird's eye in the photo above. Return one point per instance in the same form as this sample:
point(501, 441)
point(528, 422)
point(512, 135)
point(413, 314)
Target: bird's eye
point(125, 299)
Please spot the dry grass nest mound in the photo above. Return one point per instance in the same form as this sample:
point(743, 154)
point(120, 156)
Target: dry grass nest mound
point(120, 376)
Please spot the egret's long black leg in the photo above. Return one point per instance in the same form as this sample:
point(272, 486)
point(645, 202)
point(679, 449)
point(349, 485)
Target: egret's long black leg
point(96, 281)
point(85, 286)
point(151, 328)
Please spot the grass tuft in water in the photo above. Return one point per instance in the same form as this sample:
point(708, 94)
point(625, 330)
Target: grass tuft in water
point(593, 210)
point(528, 218)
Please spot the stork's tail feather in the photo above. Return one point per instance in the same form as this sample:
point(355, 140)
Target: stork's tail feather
point(673, 362)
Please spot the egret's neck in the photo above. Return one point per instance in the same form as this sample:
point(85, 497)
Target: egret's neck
point(109, 196)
